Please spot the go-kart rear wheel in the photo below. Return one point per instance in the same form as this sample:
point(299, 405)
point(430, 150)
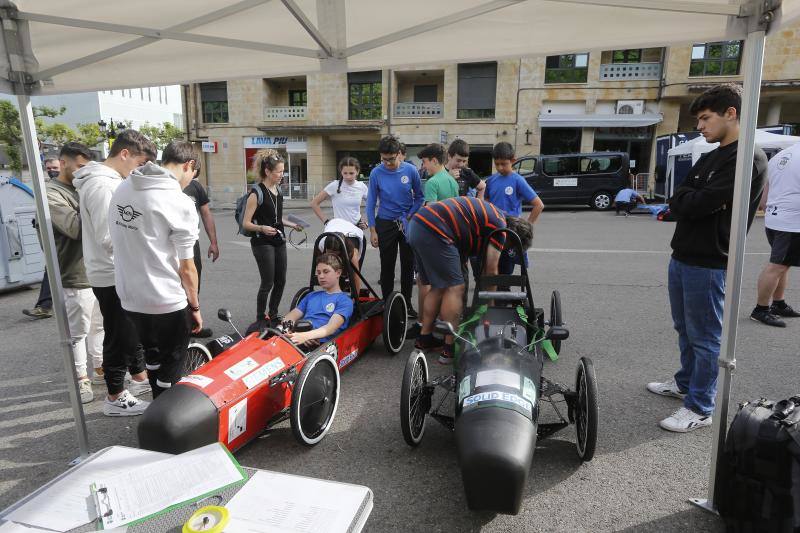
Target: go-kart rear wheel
point(395, 319)
point(299, 296)
point(586, 411)
point(556, 317)
point(314, 399)
point(414, 402)
point(196, 356)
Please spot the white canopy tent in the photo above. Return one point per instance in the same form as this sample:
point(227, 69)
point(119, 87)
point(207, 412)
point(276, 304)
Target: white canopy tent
point(53, 47)
point(698, 146)
point(764, 139)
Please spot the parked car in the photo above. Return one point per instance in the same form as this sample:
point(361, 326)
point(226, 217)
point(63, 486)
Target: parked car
point(593, 178)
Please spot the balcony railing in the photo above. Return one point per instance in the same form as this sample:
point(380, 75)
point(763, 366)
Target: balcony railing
point(630, 71)
point(286, 113)
point(419, 109)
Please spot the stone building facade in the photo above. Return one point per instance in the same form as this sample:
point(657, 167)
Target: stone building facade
point(591, 100)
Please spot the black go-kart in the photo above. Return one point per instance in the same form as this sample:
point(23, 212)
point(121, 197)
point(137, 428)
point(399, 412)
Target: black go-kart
point(498, 389)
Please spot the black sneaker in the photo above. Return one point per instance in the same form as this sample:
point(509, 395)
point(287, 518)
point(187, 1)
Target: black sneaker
point(429, 343)
point(204, 333)
point(412, 313)
point(785, 311)
point(766, 317)
point(414, 331)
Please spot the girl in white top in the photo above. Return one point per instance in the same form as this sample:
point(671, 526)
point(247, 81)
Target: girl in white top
point(346, 194)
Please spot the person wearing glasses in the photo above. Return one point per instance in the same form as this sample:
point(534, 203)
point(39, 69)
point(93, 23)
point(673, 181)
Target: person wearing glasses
point(395, 189)
point(264, 217)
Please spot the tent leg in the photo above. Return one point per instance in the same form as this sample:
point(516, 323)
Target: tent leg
point(54, 272)
point(753, 62)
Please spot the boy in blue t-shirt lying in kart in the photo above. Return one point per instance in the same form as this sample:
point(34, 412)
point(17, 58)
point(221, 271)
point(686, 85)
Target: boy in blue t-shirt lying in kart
point(329, 310)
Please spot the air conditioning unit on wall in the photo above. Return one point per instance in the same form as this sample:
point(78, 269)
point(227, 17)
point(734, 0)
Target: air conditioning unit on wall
point(630, 107)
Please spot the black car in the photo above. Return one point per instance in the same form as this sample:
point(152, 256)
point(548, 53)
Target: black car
point(593, 178)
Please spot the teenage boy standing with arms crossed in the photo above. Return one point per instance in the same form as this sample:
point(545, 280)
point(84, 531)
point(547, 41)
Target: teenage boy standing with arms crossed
point(696, 283)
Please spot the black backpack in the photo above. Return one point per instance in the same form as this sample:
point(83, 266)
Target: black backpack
point(241, 203)
point(758, 479)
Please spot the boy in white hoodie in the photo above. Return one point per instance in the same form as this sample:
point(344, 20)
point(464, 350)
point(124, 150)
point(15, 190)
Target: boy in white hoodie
point(96, 182)
point(154, 227)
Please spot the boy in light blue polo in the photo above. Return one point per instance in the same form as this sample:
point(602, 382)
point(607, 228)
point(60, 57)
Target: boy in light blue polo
point(508, 191)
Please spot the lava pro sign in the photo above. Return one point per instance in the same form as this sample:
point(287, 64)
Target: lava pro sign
point(265, 141)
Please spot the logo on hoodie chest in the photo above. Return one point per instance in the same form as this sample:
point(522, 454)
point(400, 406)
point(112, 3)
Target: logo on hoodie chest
point(128, 214)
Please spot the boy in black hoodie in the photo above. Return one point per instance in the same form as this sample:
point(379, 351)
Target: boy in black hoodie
point(702, 208)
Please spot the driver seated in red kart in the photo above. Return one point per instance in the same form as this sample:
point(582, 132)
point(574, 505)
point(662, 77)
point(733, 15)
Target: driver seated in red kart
point(329, 309)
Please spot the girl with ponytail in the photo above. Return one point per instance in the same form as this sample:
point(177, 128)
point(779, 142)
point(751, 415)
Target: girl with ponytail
point(346, 195)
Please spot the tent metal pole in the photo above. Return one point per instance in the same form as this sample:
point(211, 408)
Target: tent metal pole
point(53, 271)
point(753, 62)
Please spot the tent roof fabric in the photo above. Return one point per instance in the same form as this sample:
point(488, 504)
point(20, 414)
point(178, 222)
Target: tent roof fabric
point(547, 120)
point(764, 139)
point(87, 45)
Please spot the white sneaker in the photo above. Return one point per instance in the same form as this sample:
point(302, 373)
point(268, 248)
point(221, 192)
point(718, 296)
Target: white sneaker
point(685, 420)
point(99, 377)
point(137, 388)
point(125, 405)
point(668, 388)
point(85, 390)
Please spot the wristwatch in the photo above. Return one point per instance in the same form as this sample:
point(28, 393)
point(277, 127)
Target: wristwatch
point(193, 308)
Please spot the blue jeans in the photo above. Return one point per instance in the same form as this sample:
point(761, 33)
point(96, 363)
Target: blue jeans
point(509, 260)
point(696, 297)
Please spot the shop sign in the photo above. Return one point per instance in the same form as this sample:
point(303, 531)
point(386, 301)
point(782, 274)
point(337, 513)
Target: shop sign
point(210, 147)
point(265, 142)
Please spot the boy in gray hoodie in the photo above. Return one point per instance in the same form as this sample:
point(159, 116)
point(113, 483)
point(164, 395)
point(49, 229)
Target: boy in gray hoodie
point(96, 182)
point(154, 227)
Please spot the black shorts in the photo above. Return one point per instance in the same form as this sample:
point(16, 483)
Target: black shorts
point(785, 247)
point(438, 263)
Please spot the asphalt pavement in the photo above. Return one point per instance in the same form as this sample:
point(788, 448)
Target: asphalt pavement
point(611, 272)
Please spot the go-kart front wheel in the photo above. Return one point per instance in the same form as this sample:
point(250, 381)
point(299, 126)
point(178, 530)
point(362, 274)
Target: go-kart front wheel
point(314, 399)
point(414, 398)
point(196, 356)
point(395, 320)
point(586, 411)
point(556, 317)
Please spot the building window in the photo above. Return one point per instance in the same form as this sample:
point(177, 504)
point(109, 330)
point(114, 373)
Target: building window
point(716, 59)
point(627, 56)
point(569, 68)
point(560, 141)
point(425, 93)
point(298, 98)
point(364, 91)
point(477, 90)
point(214, 102)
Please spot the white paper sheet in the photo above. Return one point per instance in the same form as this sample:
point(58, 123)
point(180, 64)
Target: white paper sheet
point(140, 492)
point(272, 502)
point(13, 527)
point(68, 504)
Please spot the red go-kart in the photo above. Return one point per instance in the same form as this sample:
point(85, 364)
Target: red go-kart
point(247, 385)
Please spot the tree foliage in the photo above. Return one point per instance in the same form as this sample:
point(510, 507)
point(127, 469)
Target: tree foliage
point(162, 135)
point(58, 133)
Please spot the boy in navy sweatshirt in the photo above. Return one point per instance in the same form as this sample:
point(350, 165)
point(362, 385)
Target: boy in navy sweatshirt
point(395, 187)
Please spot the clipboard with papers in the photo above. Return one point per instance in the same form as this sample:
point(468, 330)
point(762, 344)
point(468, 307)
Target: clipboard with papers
point(139, 494)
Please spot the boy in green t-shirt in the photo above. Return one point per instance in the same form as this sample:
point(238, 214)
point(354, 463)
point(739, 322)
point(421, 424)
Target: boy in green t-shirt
point(441, 184)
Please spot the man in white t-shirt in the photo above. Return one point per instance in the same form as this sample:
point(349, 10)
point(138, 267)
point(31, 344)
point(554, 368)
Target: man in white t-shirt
point(781, 204)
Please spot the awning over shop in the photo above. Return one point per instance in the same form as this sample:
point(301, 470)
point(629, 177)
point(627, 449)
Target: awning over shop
point(550, 120)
